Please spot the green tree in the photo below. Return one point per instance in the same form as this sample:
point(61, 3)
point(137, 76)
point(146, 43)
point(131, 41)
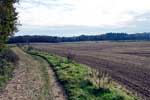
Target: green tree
point(8, 20)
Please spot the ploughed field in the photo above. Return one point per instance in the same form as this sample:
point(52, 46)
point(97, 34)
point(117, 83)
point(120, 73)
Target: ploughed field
point(127, 62)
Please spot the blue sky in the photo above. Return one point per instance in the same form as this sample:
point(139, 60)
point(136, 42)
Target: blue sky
point(76, 17)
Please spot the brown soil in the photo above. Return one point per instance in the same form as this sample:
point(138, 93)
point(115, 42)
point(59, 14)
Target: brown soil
point(127, 62)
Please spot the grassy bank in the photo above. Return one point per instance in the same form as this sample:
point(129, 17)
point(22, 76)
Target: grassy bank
point(5, 72)
point(8, 59)
point(77, 80)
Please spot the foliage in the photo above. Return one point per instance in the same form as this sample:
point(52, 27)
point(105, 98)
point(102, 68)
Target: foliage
point(8, 20)
point(7, 59)
point(74, 78)
point(108, 36)
point(5, 72)
point(9, 56)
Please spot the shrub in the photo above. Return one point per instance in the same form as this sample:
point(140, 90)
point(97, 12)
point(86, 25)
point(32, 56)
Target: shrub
point(5, 68)
point(70, 56)
point(30, 48)
point(9, 56)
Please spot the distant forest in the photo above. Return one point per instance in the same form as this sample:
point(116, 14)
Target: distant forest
point(103, 37)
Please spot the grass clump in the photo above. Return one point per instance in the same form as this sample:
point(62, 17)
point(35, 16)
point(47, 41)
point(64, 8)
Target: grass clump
point(75, 79)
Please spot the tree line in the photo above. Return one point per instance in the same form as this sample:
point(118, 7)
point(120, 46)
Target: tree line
point(103, 37)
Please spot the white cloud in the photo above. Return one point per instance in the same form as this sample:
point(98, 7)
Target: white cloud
point(116, 13)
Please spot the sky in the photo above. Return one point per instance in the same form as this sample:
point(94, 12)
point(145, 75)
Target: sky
point(77, 17)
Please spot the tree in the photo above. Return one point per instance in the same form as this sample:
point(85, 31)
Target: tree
point(8, 20)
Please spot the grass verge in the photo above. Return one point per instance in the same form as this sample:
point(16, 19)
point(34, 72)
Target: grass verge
point(75, 79)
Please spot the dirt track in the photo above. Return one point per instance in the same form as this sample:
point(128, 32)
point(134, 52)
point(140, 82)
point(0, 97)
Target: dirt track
point(32, 80)
point(127, 62)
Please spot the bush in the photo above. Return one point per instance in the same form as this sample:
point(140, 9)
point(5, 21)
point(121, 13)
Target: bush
point(9, 56)
point(30, 48)
point(5, 68)
point(70, 56)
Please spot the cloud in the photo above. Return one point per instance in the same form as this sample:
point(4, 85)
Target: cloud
point(81, 12)
point(105, 14)
point(37, 12)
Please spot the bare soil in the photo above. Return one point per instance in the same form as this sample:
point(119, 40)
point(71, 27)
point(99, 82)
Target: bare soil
point(127, 62)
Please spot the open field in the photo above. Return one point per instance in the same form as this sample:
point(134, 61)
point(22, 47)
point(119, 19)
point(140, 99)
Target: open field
point(127, 62)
